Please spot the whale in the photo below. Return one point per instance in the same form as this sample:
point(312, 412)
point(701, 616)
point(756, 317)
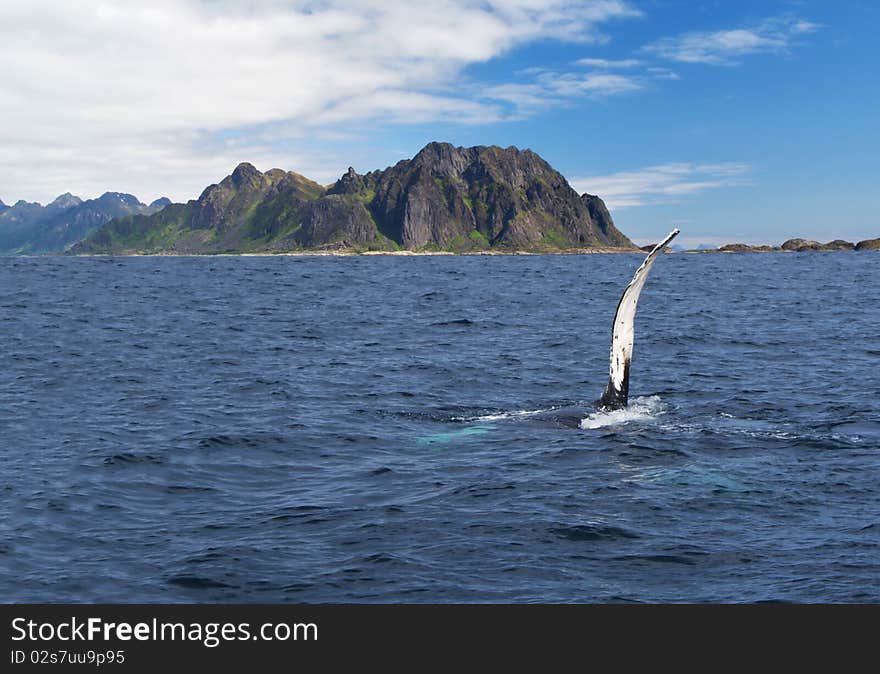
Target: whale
point(616, 393)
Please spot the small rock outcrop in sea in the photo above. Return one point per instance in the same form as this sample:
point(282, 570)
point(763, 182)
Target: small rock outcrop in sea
point(802, 245)
point(34, 228)
point(445, 198)
point(839, 244)
point(791, 246)
point(745, 248)
point(868, 244)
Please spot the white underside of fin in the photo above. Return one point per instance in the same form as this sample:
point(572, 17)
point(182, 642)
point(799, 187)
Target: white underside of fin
point(622, 332)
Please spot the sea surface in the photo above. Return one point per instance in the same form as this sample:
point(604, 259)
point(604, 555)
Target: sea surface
point(362, 429)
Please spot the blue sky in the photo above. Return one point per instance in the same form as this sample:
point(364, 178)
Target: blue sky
point(737, 121)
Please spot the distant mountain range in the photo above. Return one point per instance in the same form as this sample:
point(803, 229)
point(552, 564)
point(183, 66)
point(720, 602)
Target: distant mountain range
point(680, 249)
point(33, 228)
point(445, 198)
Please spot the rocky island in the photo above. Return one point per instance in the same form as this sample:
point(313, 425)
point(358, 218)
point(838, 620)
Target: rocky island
point(446, 198)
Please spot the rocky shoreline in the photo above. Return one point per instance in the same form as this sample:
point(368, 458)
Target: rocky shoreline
point(353, 252)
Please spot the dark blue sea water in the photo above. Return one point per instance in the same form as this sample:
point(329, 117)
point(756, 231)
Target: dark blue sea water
point(302, 429)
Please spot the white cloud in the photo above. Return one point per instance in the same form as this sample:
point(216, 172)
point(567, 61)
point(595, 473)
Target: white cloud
point(663, 73)
point(608, 64)
point(726, 47)
point(802, 27)
point(165, 96)
point(551, 88)
point(660, 184)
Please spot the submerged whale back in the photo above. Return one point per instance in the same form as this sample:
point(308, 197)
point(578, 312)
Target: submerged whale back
point(617, 391)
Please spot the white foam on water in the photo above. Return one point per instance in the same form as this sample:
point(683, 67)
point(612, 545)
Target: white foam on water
point(645, 408)
point(753, 428)
point(503, 416)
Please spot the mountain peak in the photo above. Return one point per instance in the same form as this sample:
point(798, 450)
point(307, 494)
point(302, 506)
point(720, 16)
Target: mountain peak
point(66, 200)
point(244, 172)
point(445, 158)
point(161, 202)
point(439, 146)
point(349, 183)
point(440, 149)
point(118, 198)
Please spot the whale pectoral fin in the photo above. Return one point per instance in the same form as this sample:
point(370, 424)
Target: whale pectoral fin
point(622, 333)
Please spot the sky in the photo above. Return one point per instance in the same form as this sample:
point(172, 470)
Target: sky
point(735, 120)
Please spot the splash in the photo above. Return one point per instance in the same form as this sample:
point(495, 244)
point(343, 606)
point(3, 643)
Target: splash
point(645, 408)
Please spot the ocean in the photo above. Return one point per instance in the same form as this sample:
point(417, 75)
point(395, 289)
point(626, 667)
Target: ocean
point(364, 429)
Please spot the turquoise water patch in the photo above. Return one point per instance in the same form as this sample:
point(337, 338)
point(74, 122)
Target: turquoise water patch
point(452, 436)
point(690, 476)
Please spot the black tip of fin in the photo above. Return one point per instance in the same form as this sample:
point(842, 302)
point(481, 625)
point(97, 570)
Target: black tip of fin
point(614, 399)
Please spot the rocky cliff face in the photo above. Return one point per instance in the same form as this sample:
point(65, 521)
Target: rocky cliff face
point(453, 197)
point(444, 198)
point(33, 228)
